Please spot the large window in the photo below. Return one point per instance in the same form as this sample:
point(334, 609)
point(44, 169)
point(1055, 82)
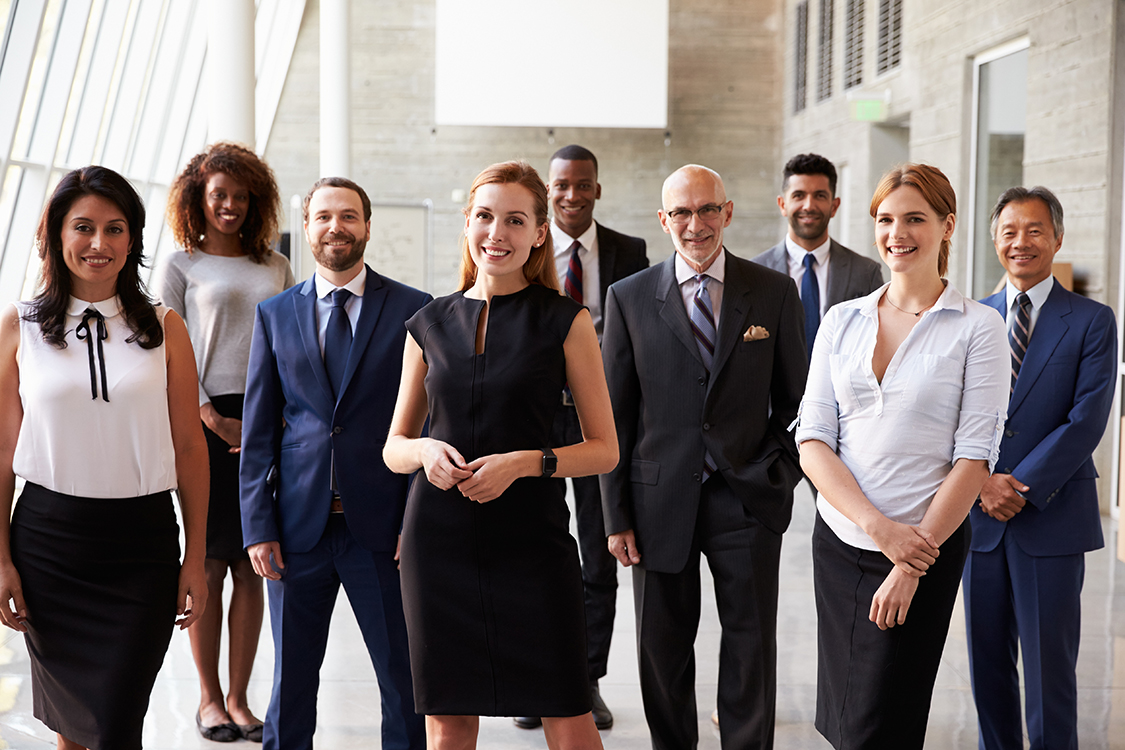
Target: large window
point(801, 56)
point(999, 124)
point(116, 83)
point(824, 53)
point(889, 52)
point(853, 43)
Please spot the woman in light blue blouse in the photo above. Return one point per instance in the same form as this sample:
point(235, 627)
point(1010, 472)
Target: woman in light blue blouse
point(899, 427)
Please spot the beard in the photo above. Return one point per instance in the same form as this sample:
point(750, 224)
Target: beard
point(338, 259)
point(810, 231)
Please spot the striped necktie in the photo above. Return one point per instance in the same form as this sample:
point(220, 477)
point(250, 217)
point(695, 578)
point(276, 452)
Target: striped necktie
point(572, 284)
point(1019, 334)
point(703, 326)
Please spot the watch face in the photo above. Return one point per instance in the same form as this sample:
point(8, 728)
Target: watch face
point(550, 464)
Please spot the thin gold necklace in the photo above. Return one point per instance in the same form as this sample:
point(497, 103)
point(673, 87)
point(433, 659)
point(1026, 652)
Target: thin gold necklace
point(887, 297)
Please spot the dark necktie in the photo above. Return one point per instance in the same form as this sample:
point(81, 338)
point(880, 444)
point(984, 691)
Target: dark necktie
point(572, 284)
point(337, 340)
point(703, 326)
point(1019, 334)
point(810, 300)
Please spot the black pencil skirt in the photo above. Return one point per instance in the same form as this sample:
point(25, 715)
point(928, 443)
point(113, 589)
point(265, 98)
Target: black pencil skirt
point(100, 578)
point(224, 514)
point(873, 687)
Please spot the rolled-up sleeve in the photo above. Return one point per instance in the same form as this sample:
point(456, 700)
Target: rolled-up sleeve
point(818, 417)
point(984, 400)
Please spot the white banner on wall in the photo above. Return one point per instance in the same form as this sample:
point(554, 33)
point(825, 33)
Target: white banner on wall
point(550, 63)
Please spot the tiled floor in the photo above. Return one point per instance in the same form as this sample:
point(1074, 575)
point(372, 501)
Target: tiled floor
point(349, 697)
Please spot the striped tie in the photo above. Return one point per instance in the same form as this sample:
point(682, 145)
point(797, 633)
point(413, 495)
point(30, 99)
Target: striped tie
point(703, 326)
point(572, 284)
point(1019, 334)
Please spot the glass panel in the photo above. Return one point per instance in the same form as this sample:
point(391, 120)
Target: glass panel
point(800, 56)
point(5, 9)
point(39, 68)
point(129, 97)
point(97, 99)
point(8, 190)
point(59, 82)
point(183, 101)
point(1001, 125)
point(81, 74)
point(160, 87)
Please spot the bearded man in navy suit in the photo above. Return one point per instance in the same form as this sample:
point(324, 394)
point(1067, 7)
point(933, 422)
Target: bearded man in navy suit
point(1038, 513)
point(319, 506)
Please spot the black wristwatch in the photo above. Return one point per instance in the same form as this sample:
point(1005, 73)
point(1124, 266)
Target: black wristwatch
point(550, 462)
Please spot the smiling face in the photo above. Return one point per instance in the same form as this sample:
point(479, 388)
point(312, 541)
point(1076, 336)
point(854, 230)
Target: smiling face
point(697, 240)
point(226, 202)
point(95, 244)
point(1025, 242)
point(572, 191)
point(809, 205)
point(501, 229)
point(909, 233)
point(336, 230)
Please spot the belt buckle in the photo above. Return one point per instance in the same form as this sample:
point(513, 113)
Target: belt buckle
point(336, 506)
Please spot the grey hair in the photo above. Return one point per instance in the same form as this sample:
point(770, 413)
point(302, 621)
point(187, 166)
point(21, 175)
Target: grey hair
point(1021, 194)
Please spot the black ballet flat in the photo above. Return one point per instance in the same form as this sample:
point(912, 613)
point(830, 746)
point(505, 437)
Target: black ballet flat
point(228, 732)
point(251, 732)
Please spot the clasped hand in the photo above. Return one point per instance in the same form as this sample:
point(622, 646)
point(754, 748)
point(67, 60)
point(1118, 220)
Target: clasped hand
point(1000, 496)
point(481, 480)
point(911, 548)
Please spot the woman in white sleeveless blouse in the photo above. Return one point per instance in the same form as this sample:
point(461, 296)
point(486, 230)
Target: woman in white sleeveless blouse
point(99, 416)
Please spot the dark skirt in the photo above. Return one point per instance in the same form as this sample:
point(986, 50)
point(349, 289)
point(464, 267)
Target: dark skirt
point(873, 687)
point(224, 514)
point(100, 578)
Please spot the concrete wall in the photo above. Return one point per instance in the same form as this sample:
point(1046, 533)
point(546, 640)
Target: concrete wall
point(725, 93)
point(1074, 121)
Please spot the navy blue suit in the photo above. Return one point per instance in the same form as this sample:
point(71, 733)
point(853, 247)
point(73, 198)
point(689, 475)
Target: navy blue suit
point(1024, 577)
point(292, 425)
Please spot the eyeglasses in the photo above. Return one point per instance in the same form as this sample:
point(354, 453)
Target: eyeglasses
point(710, 212)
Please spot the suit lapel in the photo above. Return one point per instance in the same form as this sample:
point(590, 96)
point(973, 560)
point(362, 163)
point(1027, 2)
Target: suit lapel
point(607, 251)
point(304, 305)
point(1049, 330)
point(839, 274)
point(671, 307)
point(735, 310)
point(777, 258)
point(374, 296)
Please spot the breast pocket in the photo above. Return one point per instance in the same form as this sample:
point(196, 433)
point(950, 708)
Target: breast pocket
point(845, 371)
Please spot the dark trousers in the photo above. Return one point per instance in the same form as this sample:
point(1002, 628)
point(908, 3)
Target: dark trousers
point(1010, 596)
point(743, 556)
point(599, 567)
point(873, 687)
point(300, 612)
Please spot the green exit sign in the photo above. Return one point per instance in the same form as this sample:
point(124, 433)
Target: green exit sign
point(868, 110)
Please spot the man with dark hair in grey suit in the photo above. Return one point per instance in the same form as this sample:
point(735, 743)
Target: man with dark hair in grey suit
point(705, 362)
point(589, 256)
point(808, 200)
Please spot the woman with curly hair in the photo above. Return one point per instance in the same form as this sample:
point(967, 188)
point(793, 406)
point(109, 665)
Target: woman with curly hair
point(223, 211)
point(97, 415)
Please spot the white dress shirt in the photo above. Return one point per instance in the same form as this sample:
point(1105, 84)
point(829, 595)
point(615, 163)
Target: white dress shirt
point(685, 277)
point(591, 277)
point(1037, 294)
point(797, 267)
point(324, 289)
point(943, 397)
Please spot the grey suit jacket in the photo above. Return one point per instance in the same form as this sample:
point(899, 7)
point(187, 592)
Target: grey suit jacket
point(668, 411)
point(850, 275)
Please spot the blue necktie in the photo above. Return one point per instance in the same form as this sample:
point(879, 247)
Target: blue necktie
point(703, 326)
point(337, 340)
point(810, 300)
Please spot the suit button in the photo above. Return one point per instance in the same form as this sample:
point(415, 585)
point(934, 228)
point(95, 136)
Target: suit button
point(702, 380)
point(1007, 469)
point(697, 478)
point(1009, 433)
point(337, 430)
point(706, 426)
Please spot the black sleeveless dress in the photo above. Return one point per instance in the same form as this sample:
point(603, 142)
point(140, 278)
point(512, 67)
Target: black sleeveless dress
point(493, 592)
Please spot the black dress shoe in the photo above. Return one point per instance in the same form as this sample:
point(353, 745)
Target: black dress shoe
point(219, 733)
point(528, 722)
point(603, 719)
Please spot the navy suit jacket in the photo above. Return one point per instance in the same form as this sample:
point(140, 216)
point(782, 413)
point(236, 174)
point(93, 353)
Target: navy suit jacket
point(1056, 418)
point(292, 424)
point(619, 255)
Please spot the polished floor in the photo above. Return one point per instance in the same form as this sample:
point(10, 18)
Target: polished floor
point(349, 696)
